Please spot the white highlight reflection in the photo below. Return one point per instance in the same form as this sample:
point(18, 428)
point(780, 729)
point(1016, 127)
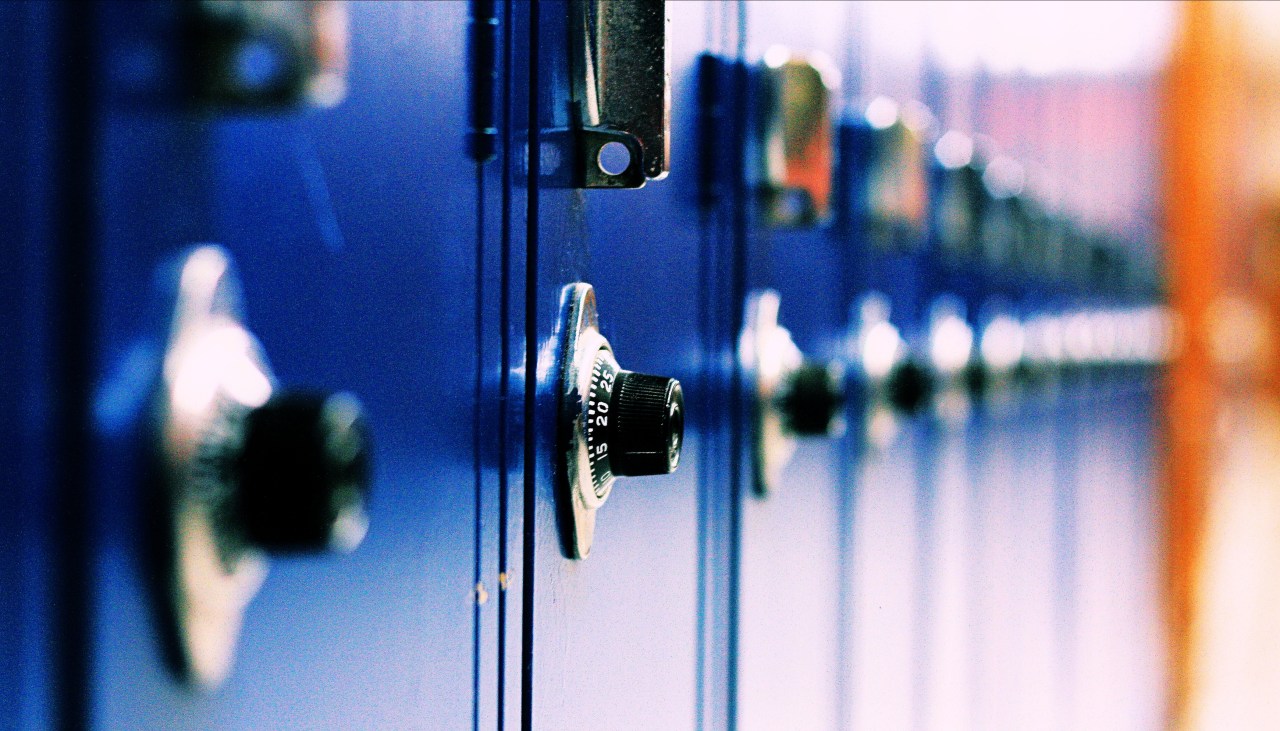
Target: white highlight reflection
point(879, 345)
point(221, 358)
point(1002, 344)
point(950, 343)
point(882, 112)
point(954, 150)
point(881, 349)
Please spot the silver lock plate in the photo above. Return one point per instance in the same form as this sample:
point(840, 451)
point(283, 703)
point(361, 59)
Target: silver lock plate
point(214, 373)
point(587, 477)
point(769, 358)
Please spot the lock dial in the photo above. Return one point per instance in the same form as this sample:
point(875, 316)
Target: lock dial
point(604, 375)
point(615, 422)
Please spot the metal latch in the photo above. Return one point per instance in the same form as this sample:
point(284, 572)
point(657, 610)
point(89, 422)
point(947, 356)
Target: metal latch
point(795, 152)
point(621, 92)
point(268, 54)
point(889, 204)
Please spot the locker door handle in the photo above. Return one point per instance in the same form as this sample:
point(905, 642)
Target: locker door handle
point(620, 92)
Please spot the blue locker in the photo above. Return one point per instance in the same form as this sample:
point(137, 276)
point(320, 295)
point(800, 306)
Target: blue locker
point(792, 662)
point(618, 639)
point(354, 233)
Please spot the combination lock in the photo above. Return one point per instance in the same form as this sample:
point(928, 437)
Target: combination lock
point(614, 423)
point(245, 471)
point(792, 396)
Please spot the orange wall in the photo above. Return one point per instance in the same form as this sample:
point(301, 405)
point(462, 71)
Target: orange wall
point(1222, 229)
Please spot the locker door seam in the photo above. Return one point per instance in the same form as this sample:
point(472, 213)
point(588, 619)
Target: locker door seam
point(530, 375)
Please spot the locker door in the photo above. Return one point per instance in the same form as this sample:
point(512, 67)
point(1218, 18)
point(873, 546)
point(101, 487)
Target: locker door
point(33, 380)
point(792, 645)
point(12, 379)
point(354, 232)
point(615, 640)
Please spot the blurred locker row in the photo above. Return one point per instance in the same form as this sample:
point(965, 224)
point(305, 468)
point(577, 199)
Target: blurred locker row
point(629, 364)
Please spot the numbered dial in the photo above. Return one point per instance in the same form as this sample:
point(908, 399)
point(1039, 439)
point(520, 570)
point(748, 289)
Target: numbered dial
point(635, 423)
point(604, 376)
point(242, 470)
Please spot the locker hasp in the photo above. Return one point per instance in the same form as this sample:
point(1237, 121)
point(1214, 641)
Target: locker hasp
point(620, 92)
point(794, 146)
point(268, 54)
